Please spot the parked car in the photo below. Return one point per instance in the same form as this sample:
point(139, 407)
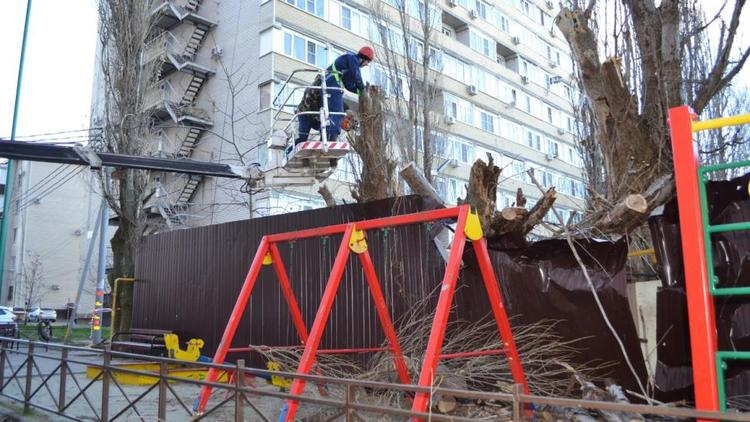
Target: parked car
point(8, 326)
point(20, 313)
point(42, 314)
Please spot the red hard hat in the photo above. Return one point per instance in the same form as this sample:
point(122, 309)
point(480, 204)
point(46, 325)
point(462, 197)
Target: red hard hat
point(367, 52)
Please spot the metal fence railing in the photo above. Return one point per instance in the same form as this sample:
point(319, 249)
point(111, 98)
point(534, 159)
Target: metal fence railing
point(51, 378)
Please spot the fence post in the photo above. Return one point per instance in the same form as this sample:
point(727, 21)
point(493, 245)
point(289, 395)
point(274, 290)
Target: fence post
point(29, 367)
point(517, 390)
point(63, 375)
point(2, 365)
point(349, 400)
point(239, 413)
point(105, 384)
point(162, 415)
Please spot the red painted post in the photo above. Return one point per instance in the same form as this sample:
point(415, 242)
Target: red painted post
point(701, 315)
point(437, 333)
point(316, 332)
point(234, 320)
point(286, 289)
point(384, 315)
point(498, 310)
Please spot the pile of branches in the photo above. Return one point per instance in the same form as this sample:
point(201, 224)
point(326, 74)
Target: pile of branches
point(548, 359)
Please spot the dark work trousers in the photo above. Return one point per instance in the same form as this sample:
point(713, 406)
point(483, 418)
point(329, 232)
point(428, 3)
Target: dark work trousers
point(312, 121)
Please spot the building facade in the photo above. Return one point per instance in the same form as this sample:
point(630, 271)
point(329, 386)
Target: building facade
point(505, 91)
point(51, 221)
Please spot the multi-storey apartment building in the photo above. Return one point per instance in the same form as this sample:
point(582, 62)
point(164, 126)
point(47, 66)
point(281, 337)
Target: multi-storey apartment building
point(51, 216)
point(505, 90)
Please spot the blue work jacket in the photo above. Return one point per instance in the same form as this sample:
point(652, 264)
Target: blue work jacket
point(345, 70)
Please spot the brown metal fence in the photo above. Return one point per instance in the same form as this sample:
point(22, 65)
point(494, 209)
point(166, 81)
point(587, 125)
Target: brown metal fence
point(47, 377)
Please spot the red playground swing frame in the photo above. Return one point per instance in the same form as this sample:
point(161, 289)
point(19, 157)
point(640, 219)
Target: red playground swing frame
point(354, 240)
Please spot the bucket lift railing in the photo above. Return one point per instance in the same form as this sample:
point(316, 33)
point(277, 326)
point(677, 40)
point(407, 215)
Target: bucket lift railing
point(323, 114)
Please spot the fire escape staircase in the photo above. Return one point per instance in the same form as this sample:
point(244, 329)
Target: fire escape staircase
point(169, 15)
point(182, 108)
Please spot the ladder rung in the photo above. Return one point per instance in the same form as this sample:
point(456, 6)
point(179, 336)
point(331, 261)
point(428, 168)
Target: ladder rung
point(730, 291)
point(720, 228)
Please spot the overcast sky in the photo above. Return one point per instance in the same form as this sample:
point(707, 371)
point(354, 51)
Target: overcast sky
point(57, 80)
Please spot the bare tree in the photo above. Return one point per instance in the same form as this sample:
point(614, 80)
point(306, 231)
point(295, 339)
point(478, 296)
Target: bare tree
point(124, 27)
point(412, 66)
point(631, 73)
point(32, 279)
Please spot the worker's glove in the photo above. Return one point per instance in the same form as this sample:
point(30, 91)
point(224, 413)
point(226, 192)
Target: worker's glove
point(348, 123)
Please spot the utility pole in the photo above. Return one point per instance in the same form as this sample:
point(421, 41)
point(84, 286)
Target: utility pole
point(96, 319)
point(85, 272)
point(9, 173)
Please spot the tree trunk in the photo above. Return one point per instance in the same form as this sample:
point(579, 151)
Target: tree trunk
point(482, 191)
point(376, 178)
point(123, 265)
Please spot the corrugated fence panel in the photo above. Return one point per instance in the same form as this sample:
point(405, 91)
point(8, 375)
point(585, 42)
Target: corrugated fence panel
point(188, 280)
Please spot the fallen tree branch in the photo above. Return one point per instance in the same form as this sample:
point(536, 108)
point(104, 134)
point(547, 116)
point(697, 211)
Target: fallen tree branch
point(569, 239)
point(418, 183)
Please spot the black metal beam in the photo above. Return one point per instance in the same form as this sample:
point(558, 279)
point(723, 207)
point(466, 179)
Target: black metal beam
point(28, 151)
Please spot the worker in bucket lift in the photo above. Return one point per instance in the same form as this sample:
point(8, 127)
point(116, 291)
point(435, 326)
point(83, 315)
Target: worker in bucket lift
point(343, 73)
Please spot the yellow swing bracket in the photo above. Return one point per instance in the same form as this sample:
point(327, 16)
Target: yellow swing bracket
point(473, 229)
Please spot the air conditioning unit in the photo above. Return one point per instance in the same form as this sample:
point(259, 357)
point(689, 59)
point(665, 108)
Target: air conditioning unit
point(560, 131)
point(216, 52)
point(452, 3)
point(453, 163)
point(555, 80)
point(473, 14)
point(511, 104)
point(450, 120)
point(551, 156)
point(472, 90)
point(552, 33)
point(515, 40)
point(525, 79)
point(549, 5)
point(552, 64)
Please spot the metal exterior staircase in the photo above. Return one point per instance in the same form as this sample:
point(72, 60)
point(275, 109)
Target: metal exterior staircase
point(189, 189)
point(194, 87)
point(193, 5)
point(191, 140)
point(195, 41)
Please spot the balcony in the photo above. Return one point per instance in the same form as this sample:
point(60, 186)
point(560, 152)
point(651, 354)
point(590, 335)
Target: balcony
point(169, 15)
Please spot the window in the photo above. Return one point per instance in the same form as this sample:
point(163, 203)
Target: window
point(481, 8)
point(501, 21)
point(487, 121)
point(549, 114)
point(350, 18)
point(264, 96)
point(553, 148)
point(346, 17)
point(463, 152)
point(456, 69)
point(517, 169)
point(305, 50)
point(533, 140)
point(311, 6)
point(482, 44)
